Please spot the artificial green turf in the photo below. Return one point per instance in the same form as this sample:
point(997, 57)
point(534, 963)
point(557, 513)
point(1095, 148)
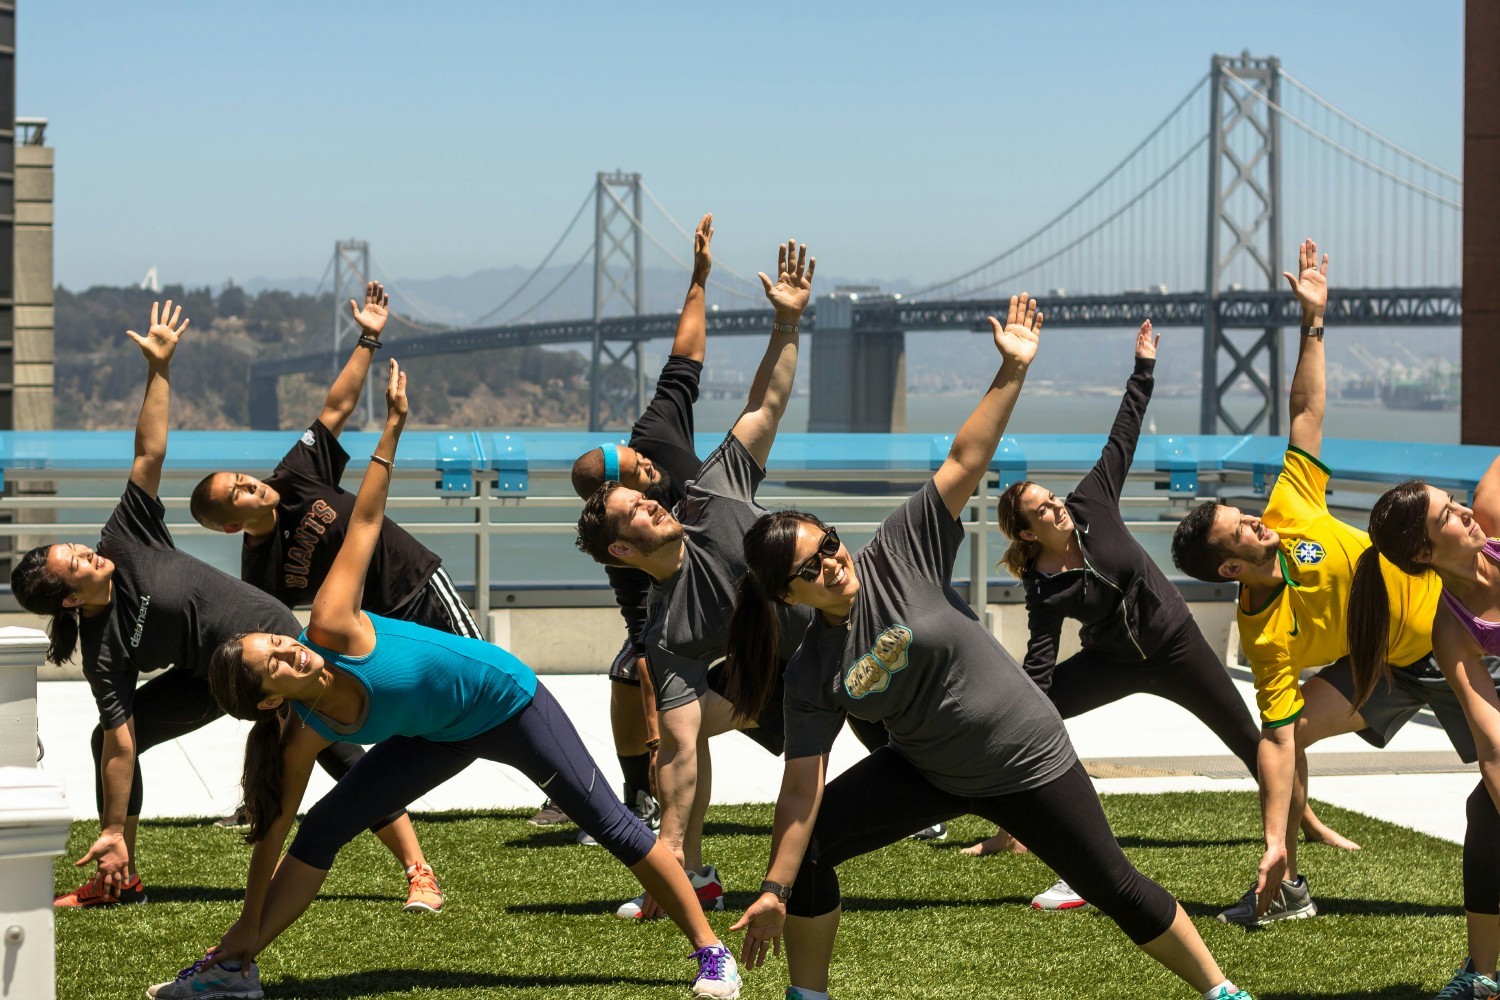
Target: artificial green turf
point(530, 914)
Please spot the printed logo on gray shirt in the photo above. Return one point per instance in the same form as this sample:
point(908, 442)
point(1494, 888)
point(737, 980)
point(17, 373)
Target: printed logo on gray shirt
point(871, 673)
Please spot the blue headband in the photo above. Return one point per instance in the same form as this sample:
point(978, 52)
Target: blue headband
point(611, 462)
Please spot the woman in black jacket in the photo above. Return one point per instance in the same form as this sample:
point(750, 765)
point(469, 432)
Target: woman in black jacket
point(1076, 559)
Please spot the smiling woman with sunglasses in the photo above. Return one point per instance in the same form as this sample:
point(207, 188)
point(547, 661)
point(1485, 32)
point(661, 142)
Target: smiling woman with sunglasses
point(970, 733)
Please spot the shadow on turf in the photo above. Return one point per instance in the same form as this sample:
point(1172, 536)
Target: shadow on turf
point(564, 835)
point(1335, 906)
point(1400, 991)
point(382, 982)
point(230, 894)
point(1130, 842)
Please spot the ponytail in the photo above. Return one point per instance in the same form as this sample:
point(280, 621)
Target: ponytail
point(1398, 533)
point(1369, 627)
point(1021, 553)
point(238, 693)
point(752, 662)
point(751, 647)
point(42, 592)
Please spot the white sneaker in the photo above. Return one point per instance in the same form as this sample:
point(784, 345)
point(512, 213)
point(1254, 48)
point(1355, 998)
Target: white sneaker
point(1060, 897)
point(708, 887)
point(198, 982)
point(718, 975)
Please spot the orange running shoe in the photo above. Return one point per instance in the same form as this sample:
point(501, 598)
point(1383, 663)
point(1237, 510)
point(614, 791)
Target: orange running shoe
point(95, 893)
point(423, 893)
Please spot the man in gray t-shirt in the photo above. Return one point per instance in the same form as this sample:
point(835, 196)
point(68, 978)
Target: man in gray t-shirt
point(695, 564)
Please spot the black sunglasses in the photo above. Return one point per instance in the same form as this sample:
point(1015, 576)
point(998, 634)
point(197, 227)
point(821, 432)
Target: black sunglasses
point(813, 565)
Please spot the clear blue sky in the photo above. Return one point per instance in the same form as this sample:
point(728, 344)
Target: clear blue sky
point(216, 140)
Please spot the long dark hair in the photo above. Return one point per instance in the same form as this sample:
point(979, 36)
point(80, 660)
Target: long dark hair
point(239, 693)
point(41, 591)
point(1398, 531)
point(1021, 553)
point(752, 657)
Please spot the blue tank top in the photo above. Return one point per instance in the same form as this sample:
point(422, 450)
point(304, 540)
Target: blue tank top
point(422, 682)
point(1486, 634)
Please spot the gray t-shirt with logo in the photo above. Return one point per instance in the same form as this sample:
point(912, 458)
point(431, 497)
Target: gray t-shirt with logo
point(688, 615)
point(916, 658)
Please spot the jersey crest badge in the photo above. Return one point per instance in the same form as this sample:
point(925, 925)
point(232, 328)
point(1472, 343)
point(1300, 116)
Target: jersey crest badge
point(871, 673)
point(1307, 553)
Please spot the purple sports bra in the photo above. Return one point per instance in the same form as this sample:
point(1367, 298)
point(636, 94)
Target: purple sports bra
point(1487, 634)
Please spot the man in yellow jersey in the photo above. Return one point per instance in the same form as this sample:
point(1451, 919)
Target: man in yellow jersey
point(1295, 564)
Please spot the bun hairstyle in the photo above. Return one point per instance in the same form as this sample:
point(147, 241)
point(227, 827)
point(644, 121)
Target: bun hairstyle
point(752, 662)
point(1398, 532)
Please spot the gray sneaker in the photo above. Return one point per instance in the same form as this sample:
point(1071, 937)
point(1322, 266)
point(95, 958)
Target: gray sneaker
point(1293, 902)
point(1467, 984)
point(549, 815)
point(198, 982)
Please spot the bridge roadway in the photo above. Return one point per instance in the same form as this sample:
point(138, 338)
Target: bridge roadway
point(1236, 309)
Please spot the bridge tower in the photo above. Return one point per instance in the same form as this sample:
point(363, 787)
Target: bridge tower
point(1244, 236)
point(617, 385)
point(351, 272)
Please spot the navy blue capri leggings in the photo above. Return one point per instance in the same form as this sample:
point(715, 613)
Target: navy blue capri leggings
point(883, 799)
point(539, 741)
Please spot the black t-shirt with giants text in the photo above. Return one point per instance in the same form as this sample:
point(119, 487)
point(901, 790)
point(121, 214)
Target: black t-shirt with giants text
point(311, 521)
point(166, 608)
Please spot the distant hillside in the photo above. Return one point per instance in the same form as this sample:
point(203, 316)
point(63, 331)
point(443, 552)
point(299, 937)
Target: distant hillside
point(100, 373)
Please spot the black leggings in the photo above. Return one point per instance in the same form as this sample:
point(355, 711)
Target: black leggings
point(884, 798)
point(175, 703)
point(1185, 670)
point(1481, 846)
point(539, 741)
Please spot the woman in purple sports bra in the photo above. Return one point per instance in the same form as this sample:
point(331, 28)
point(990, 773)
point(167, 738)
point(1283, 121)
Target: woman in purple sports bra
point(1420, 528)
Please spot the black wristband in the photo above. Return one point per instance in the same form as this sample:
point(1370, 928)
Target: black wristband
point(781, 892)
point(366, 340)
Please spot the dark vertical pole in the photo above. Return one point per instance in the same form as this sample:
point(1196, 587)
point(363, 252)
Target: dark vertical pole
point(1208, 415)
point(7, 214)
point(640, 294)
point(1274, 340)
point(596, 366)
point(1479, 422)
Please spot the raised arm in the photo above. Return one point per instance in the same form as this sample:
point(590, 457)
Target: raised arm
point(692, 322)
point(1106, 480)
point(343, 395)
point(337, 621)
point(757, 423)
point(158, 345)
point(1486, 503)
point(974, 444)
point(1309, 387)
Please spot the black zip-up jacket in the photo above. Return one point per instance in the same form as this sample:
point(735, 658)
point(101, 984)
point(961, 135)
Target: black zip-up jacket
point(1128, 607)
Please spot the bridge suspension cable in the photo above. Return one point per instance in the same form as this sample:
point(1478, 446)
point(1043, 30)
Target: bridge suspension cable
point(689, 234)
point(1060, 216)
point(1413, 157)
point(620, 205)
point(1340, 148)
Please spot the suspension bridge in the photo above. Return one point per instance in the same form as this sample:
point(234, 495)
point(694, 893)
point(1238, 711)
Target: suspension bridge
point(1191, 228)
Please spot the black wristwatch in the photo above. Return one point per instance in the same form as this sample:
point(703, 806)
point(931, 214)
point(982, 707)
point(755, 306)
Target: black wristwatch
point(781, 892)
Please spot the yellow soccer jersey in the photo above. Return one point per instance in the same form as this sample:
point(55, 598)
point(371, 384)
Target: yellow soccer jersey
point(1303, 624)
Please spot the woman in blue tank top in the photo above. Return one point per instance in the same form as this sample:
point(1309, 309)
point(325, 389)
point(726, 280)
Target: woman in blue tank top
point(433, 703)
point(1420, 528)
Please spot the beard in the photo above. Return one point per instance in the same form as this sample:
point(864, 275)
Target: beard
point(647, 542)
point(661, 490)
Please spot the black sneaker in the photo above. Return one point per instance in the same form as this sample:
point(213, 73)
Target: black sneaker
point(646, 809)
point(1293, 902)
point(937, 831)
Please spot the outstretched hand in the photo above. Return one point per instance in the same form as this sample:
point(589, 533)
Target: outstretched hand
point(703, 258)
point(1311, 283)
point(1017, 340)
point(160, 341)
point(372, 317)
point(395, 395)
point(1145, 342)
point(762, 923)
point(1268, 878)
point(793, 285)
